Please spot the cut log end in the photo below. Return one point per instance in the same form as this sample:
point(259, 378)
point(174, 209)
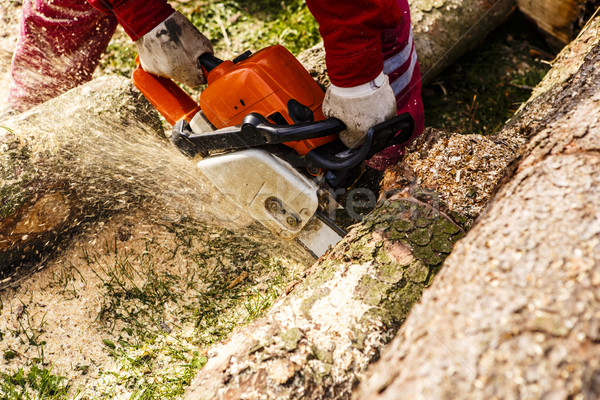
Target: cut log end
point(560, 20)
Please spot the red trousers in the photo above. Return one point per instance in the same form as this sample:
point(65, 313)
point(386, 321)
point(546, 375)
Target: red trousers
point(59, 47)
point(401, 65)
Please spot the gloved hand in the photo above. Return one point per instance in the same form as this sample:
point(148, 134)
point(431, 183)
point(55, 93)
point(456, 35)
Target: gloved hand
point(172, 49)
point(360, 107)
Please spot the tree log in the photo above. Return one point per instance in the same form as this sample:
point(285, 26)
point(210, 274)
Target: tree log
point(317, 341)
point(105, 154)
point(560, 20)
point(515, 311)
point(443, 30)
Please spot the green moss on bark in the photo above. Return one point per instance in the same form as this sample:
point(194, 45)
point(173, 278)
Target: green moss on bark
point(394, 287)
point(308, 303)
point(290, 338)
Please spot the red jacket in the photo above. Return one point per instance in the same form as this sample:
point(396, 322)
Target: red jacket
point(351, 30)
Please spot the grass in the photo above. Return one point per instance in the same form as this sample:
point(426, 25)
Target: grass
point(139, 296)
point(35, 380)
point(485, 87)
point(159, 317)
point(273, 22)
point(162, 305)
point(233, 27)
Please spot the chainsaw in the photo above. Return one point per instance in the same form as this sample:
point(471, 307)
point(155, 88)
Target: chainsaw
point(264, 142)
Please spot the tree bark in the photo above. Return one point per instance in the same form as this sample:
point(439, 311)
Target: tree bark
point(446, 29)
point(560, 20)
point(319, 339)
point(515, 311)
point(443, 30)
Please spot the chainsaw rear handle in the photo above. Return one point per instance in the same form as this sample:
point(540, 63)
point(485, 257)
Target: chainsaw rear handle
point(396, 130)
point(207, 62)
point(256, 131)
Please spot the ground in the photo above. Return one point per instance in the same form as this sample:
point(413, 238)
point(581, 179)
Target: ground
point(105, 319)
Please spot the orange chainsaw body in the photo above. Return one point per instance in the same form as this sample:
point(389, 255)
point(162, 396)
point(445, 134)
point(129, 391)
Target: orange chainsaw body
point(262, 83)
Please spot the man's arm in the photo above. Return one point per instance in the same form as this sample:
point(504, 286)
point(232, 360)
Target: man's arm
point(56, 51)
point(352, 34)
point(137, 17)
point(168, 43)
point(363, 39)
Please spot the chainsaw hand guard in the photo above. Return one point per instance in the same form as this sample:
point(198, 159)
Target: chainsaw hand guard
point(255, 131)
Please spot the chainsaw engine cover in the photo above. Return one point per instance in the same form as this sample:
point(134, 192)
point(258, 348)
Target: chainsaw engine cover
point(264, 186)
point(271, 83)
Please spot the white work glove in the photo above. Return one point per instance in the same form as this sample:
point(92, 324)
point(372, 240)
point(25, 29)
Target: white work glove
point(360, 107)
point(172, 49)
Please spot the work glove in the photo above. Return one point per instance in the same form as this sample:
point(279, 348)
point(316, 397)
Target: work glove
point(360, 107)
point(172, 50)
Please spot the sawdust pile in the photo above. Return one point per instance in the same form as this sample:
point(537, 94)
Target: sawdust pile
point(132, 302)
point(462, 169)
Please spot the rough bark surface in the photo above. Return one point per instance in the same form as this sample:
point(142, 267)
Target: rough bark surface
point(560, 20)
point(443, 31)
point(465, 169)
point(514, 313)
point(317, 341)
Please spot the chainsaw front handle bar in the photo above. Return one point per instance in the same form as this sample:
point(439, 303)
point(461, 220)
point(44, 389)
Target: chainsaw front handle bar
point(256, 131)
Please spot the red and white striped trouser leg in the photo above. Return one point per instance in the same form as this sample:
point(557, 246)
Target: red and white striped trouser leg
point(60, 45)
point(402, 67)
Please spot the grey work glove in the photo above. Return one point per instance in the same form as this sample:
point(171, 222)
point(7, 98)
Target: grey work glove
point(172, 49)
point(360, 107)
